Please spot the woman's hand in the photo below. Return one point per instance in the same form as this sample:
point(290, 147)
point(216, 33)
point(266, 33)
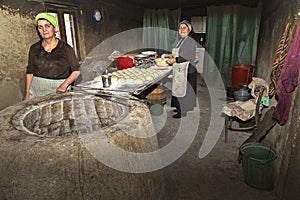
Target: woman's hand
point(62, 88)
point(171, 61)
point(26, 96)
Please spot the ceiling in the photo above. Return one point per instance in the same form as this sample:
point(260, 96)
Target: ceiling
point(172, 4)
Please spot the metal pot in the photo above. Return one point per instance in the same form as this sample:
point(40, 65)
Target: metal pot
point(241, 95)
point(140, 59)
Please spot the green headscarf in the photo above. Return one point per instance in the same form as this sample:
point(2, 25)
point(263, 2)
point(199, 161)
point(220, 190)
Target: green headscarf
point(46, 16)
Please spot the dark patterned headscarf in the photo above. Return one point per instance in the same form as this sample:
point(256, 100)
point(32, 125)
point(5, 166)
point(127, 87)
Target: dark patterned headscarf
point(188, 23)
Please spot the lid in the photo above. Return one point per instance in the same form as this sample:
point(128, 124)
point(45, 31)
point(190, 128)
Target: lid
point(141, 56)
point(149, 53)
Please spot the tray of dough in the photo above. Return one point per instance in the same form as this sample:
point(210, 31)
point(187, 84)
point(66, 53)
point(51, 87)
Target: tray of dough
point(131, 80)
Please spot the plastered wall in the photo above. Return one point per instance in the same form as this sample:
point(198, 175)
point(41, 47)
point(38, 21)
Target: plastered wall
point(275, 16)
point(17, 33)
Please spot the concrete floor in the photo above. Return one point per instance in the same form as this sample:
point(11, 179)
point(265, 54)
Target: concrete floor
point(216, 176)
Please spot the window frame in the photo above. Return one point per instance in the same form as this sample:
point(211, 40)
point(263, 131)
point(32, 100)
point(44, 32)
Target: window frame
point(60, 10)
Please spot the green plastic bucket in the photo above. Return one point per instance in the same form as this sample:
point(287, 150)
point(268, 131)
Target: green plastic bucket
point(258, 165)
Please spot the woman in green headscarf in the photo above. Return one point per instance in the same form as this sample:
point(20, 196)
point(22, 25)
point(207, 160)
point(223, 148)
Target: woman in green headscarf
point(52, 63)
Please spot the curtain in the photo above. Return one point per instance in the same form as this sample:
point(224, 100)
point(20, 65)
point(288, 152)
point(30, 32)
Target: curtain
point(160, 29)
point(232, 34)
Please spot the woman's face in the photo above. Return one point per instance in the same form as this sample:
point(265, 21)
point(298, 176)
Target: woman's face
point(183, 30)
point(45, 29)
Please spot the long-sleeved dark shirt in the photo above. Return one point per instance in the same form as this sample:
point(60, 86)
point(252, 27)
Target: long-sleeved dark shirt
point(187, 52)
point(57, 64)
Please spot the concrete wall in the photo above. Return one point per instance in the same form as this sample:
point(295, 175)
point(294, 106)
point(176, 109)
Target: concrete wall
point(18, 33)
point(275, 16)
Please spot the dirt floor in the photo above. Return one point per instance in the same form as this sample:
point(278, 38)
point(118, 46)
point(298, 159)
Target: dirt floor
point(216, 176)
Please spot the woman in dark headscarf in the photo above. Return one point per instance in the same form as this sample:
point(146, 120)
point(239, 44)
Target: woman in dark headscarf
point(184, 86)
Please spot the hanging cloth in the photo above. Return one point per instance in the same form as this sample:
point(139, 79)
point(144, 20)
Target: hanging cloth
point(288, 80)
point(280, 58)
point(232, 35)
point(157, 24)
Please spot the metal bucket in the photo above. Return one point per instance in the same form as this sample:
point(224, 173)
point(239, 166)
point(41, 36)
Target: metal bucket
point(258, 165)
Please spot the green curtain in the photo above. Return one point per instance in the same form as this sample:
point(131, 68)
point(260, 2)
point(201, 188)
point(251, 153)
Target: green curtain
point(160, 29)
point(232, 34)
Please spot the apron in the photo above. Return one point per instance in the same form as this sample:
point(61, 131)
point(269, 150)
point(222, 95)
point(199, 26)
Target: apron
point(179, 82)
point(175, 51)
point(180, 72)
point(43, 86)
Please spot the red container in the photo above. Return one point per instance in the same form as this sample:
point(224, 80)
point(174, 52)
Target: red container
point(124, 62)
point(241, 74)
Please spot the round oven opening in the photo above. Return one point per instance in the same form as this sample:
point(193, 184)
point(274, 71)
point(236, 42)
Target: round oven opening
point(69, 115)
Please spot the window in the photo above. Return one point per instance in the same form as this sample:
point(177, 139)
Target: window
point(70, 30)
point(66, 24)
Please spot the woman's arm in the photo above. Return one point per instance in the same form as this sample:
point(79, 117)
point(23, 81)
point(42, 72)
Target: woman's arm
point(27, 86)
point(29, 72)
point(74, 68)
point(187, 52)
point(63, 87)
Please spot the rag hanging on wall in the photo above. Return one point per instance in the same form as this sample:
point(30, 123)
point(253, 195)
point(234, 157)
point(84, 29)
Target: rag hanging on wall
point(288, 80)
point(281, 53)
point(279, 60)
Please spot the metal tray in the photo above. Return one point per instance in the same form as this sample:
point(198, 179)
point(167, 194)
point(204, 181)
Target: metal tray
point(134, 89)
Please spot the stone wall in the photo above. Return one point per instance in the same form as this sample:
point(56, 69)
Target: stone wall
point(275, 16)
